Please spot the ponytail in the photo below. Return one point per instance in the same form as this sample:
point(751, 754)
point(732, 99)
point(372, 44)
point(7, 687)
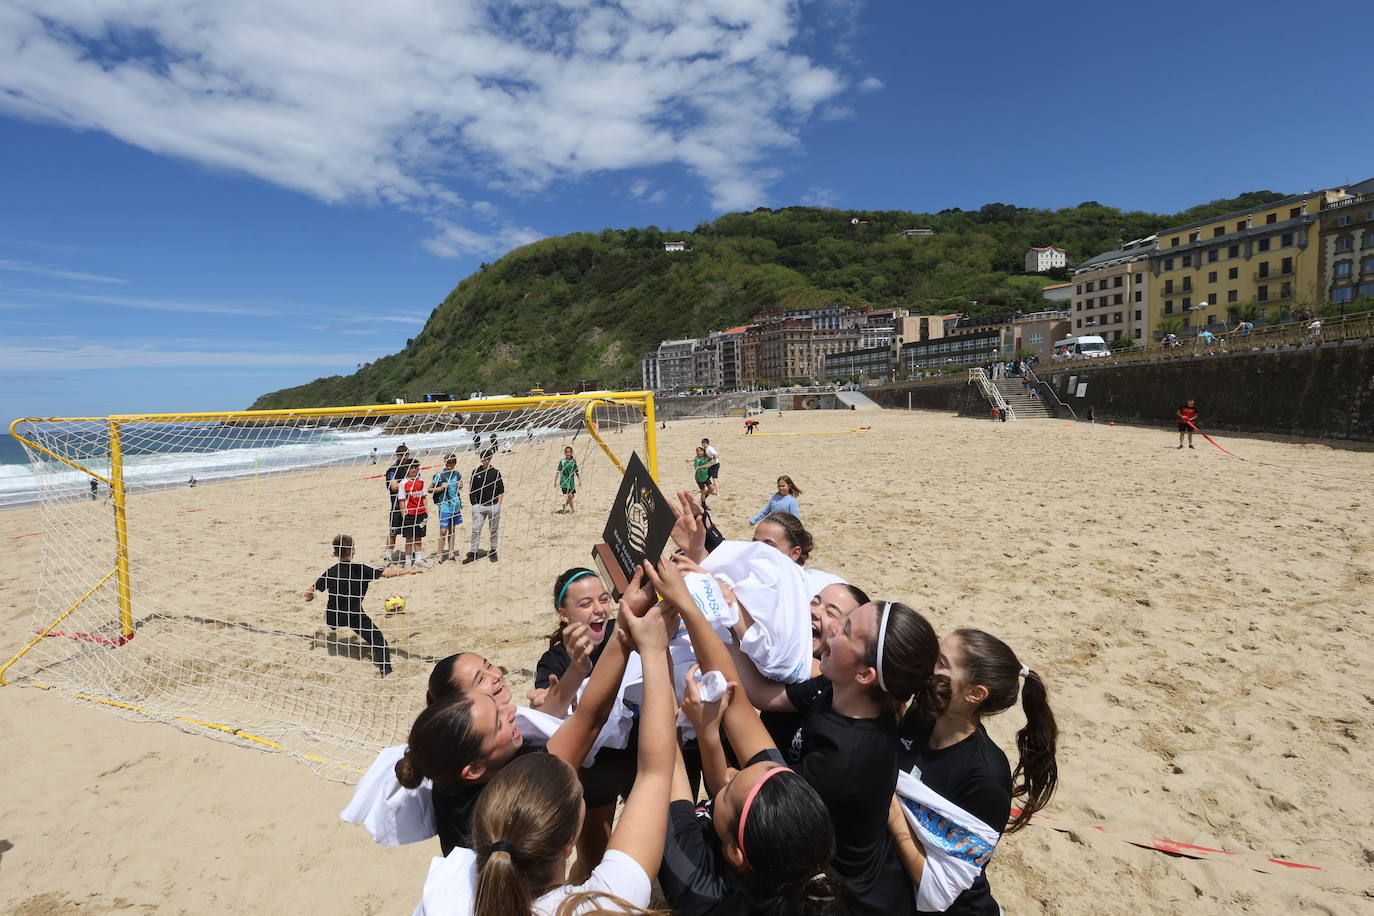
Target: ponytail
point(1037, 773)
point(500, 890)
point(991, 663)
point(527, 815)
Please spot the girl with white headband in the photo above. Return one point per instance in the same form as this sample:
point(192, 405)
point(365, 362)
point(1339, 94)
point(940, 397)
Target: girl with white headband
point(882, 654)
point(956, 787)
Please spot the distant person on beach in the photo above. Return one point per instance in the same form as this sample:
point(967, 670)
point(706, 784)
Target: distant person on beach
point(410, 498)
point(191, 482)
point(1089, 416)
point(750, 426)
point(347, 583)
point(374, 456)
point(701, 472)
point(785, 500)
point(1187, 417)
point(567, 475)
point(95, 487)
point(712, 469)
point(486, 490)
point(447, 491)
point(394, 518)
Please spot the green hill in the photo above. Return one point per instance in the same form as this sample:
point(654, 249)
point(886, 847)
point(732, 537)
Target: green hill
point(586, 307)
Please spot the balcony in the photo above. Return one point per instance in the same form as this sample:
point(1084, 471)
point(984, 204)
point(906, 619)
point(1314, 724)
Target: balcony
point(1347, 202)
point(1276, 275)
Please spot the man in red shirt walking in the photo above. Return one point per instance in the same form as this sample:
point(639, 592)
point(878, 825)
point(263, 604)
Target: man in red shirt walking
point(1187, 415)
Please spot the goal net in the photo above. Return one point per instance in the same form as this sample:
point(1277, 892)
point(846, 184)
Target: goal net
point(175, 587)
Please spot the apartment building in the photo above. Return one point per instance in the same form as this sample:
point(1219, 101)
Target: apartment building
point(1034, 332)
point(1347, 248)
point(1268, 255)
point(778, 350)
point(973, 348)
point(1111, 292)
point(670, 365)
point(873, 364)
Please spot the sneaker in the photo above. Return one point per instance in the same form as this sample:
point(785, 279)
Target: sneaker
point(492, 556)
point(1191, 446)
point(470, 557)
point(1180, 446)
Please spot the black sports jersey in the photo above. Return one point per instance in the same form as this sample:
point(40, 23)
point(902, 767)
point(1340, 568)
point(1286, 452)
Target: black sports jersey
point(973, 774)
point(852, 765)
point(453, 813)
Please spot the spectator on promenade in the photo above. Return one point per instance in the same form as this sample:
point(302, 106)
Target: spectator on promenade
point(1187, 415)
point(1206, 339)
point(785, 500)
point(1314, 330)
point(485, 492)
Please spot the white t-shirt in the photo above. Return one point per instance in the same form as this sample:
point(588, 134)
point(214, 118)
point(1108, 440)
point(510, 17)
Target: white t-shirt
point(451, 885)
point(711, 452)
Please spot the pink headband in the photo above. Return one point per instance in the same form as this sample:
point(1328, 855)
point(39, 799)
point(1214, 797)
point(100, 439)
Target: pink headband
point(749, 801)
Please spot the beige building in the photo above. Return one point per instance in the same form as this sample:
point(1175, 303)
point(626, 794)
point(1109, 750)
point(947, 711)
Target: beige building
point(1347, 245)
point(1035, 333)
point(1111, 292)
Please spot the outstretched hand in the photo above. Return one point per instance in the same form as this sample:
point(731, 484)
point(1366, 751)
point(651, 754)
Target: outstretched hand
point(638, 596)
point(689, 532)
point(705, 717)
point(647, 633)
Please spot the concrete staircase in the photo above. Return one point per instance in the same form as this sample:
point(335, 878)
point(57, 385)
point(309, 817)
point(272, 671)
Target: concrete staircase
point(856, 399)
point(1023, 405)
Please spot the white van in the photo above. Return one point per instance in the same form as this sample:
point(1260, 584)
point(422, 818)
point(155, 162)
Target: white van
point(1079, 347)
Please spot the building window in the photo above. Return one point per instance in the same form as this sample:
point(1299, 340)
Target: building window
point(1187, 323)
point(1168, 286)
point(1367, 290)
point(1262, 245)
point(1088, 287)
point(1369, 238)
point(1218, 232)
point(1168, 263)
point(1262, 293)
point(1233, 273)
point(1295, 213)
point(1116, 317)
point(1137, 295)
point(1168, 306)
point(1286, 266)
point(1344, 268)
point(1137, 314)
point(1078, 288)
point(1173, 242)
point(1367, 265)
point(1345, 243)
point(1117, 281)
point(1211, 276)
point(1187, 302)
point(1187, 260)
point(1211, 319)
point(1213, 255)
point(1285, 290)
point(1078, 306)
point(1343, 294)
point(1233, 251)
point(1242, 225)
point(1194, 236)
point(1286, 240)
point(1232, 295)
point(1343, 219)
point(1080, 323)
point(1116, 300)
point(1271, 218)
point(1264, 268)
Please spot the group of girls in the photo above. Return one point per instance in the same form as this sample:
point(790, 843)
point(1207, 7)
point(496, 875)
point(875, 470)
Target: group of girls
point(869, 786)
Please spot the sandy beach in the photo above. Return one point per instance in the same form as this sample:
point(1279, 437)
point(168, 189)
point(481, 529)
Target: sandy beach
point(1204, 625)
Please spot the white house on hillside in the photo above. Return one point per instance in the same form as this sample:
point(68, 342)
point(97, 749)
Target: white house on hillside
point(674, 246)
point(1039, 260)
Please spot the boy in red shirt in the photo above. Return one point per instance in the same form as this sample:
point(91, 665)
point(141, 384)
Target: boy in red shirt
point(410, 493)
point(1187, 417)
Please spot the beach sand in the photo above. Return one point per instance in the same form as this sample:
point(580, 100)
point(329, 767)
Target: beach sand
point(1203, 624)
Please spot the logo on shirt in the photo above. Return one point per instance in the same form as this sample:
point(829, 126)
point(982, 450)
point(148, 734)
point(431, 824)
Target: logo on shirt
point(957, 841)
point(906, 743)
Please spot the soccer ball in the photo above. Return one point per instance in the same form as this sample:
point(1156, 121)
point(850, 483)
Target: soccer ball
point(394, 604)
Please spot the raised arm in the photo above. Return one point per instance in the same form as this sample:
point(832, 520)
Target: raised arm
point(644, 821)
point(577, 734)
point(747, 735)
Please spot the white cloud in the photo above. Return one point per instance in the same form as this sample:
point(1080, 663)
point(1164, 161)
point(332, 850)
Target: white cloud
point(454, 241)
point(136, 302)
point(65, 356)
point(395, 103)
point(55, 273)
point(871, 84)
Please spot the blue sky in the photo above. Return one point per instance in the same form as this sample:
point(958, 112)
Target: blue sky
point(207, 200)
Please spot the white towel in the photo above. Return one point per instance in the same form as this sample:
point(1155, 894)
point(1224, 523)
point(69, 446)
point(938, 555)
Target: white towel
point(818, 579)
point(394, 815)
point(775, 592)
point(957, 844)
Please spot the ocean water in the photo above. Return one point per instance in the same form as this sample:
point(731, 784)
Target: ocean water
point(175, 454)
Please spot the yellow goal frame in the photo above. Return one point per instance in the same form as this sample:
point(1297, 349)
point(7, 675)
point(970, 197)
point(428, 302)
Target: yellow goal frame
point(644, 400)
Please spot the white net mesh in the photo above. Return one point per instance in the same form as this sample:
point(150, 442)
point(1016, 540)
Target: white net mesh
point(228, 524)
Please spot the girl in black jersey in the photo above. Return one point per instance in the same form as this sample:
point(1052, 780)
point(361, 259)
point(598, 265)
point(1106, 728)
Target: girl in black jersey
point(882, 654)
point(766, 846)
point(953, 755)
point(585, 627)
point(460, 743)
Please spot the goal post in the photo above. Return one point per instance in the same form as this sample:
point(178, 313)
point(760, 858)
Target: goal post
point(177, 550)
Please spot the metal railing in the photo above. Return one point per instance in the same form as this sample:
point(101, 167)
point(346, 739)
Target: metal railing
point(990, 391)
point(1029, 374)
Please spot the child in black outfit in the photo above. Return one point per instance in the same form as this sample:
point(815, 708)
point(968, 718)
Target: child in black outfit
point(347, 583)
